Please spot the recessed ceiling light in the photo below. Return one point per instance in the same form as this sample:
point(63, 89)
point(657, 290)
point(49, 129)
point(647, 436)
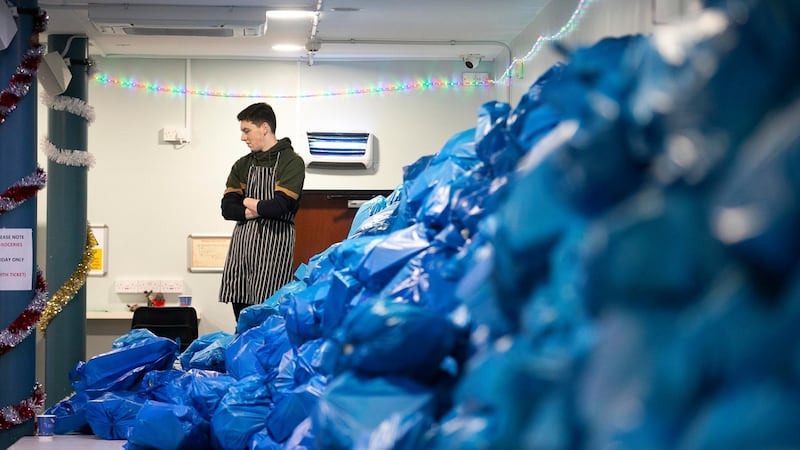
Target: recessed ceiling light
point(287, 47)
point(289, 14)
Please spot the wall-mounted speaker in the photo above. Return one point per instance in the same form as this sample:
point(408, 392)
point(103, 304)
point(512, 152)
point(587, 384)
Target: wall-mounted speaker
point(8, 28)
point(54, 75)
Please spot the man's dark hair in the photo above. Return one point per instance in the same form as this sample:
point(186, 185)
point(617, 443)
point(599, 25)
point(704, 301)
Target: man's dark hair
point(258, 113)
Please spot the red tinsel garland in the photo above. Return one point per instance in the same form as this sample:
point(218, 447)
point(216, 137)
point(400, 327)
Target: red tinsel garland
point(24, 324)
point(25, 74)
point(22, 190)
point(11, 416)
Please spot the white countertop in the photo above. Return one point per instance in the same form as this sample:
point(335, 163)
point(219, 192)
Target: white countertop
point(117, 314)
point(109, 315)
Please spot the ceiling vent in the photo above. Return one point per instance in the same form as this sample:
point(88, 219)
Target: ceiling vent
point(163, 20)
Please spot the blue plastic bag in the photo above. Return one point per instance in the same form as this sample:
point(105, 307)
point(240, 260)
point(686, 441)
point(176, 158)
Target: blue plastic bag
point(254, 315)
point(207, 352)
point(505, 387)
point(344, 286)
point(756, 208)
point(258, 350)
point(428, 195)
point(132, 337)
point(495, 149)
point(124, 367)
point(474, 197)
point(206, 389)
point(302, 437)
point(168, 386)
point(597, 166)
point(169, 427)
point(476, 291)
point(429, 280)
point(381, 222)
point(389, 254)
point(391, 338)
point(298, 366)
point(113, 415)
point(350, 253)
point(320, 265)
point(768, 423)
point(262, 441)
point(533, 118)
point(354, 412)
point(367, 209)
point(414, 190)
point(292, 407)
point(629, 260)
point(303, 313)
point(70, 414)
point(241, 413)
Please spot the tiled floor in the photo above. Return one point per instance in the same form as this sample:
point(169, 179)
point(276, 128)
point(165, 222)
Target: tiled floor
point(67, 442)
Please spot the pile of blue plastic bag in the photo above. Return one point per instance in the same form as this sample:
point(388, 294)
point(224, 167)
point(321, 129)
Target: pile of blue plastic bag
point(613, 263)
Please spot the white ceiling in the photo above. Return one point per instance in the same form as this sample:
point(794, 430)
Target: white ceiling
point(377, 29)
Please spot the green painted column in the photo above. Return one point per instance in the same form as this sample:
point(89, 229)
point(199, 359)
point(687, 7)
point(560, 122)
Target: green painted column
point(18, 160)
point(65, 337)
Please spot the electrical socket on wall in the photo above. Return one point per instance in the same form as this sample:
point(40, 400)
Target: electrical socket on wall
point(175, 135)
point(141, 286)
point(169, 134)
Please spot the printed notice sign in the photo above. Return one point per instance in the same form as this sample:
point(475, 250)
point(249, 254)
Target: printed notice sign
point(16, 259)
point(207, 252)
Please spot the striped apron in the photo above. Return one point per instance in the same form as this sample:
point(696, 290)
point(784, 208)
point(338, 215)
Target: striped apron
point(259, 259)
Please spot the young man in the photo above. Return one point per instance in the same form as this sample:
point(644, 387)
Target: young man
point(262, 195)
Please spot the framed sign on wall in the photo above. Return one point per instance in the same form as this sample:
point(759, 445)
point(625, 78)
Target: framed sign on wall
point(99, 263)
point(207, 252)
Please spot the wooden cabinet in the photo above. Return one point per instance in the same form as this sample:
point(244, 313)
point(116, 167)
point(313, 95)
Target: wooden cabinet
point(324, 218)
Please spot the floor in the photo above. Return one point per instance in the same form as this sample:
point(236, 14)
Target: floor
point(67, 442)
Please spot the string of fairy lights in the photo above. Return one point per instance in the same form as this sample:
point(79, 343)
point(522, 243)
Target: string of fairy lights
point(419, 85)
point(400, 87)
point(568, 28)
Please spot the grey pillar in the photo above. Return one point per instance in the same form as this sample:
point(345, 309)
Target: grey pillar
point(65, 338)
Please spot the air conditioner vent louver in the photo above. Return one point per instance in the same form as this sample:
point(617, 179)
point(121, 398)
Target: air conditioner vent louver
point(169, 20)
point(340, 150)
point(191, 32)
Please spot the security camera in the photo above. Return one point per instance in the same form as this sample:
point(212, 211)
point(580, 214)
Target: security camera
point(313, 45)
point(471, 61)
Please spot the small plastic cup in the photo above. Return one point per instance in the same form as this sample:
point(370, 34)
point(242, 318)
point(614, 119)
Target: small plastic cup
point(45, 425)
point(185, 300)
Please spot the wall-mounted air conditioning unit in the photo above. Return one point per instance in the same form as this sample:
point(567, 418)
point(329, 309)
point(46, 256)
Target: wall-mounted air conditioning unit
point(341, 150)
point(165, 20)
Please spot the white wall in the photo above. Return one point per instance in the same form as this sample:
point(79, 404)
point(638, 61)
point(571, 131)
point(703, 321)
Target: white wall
point(152, 195)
